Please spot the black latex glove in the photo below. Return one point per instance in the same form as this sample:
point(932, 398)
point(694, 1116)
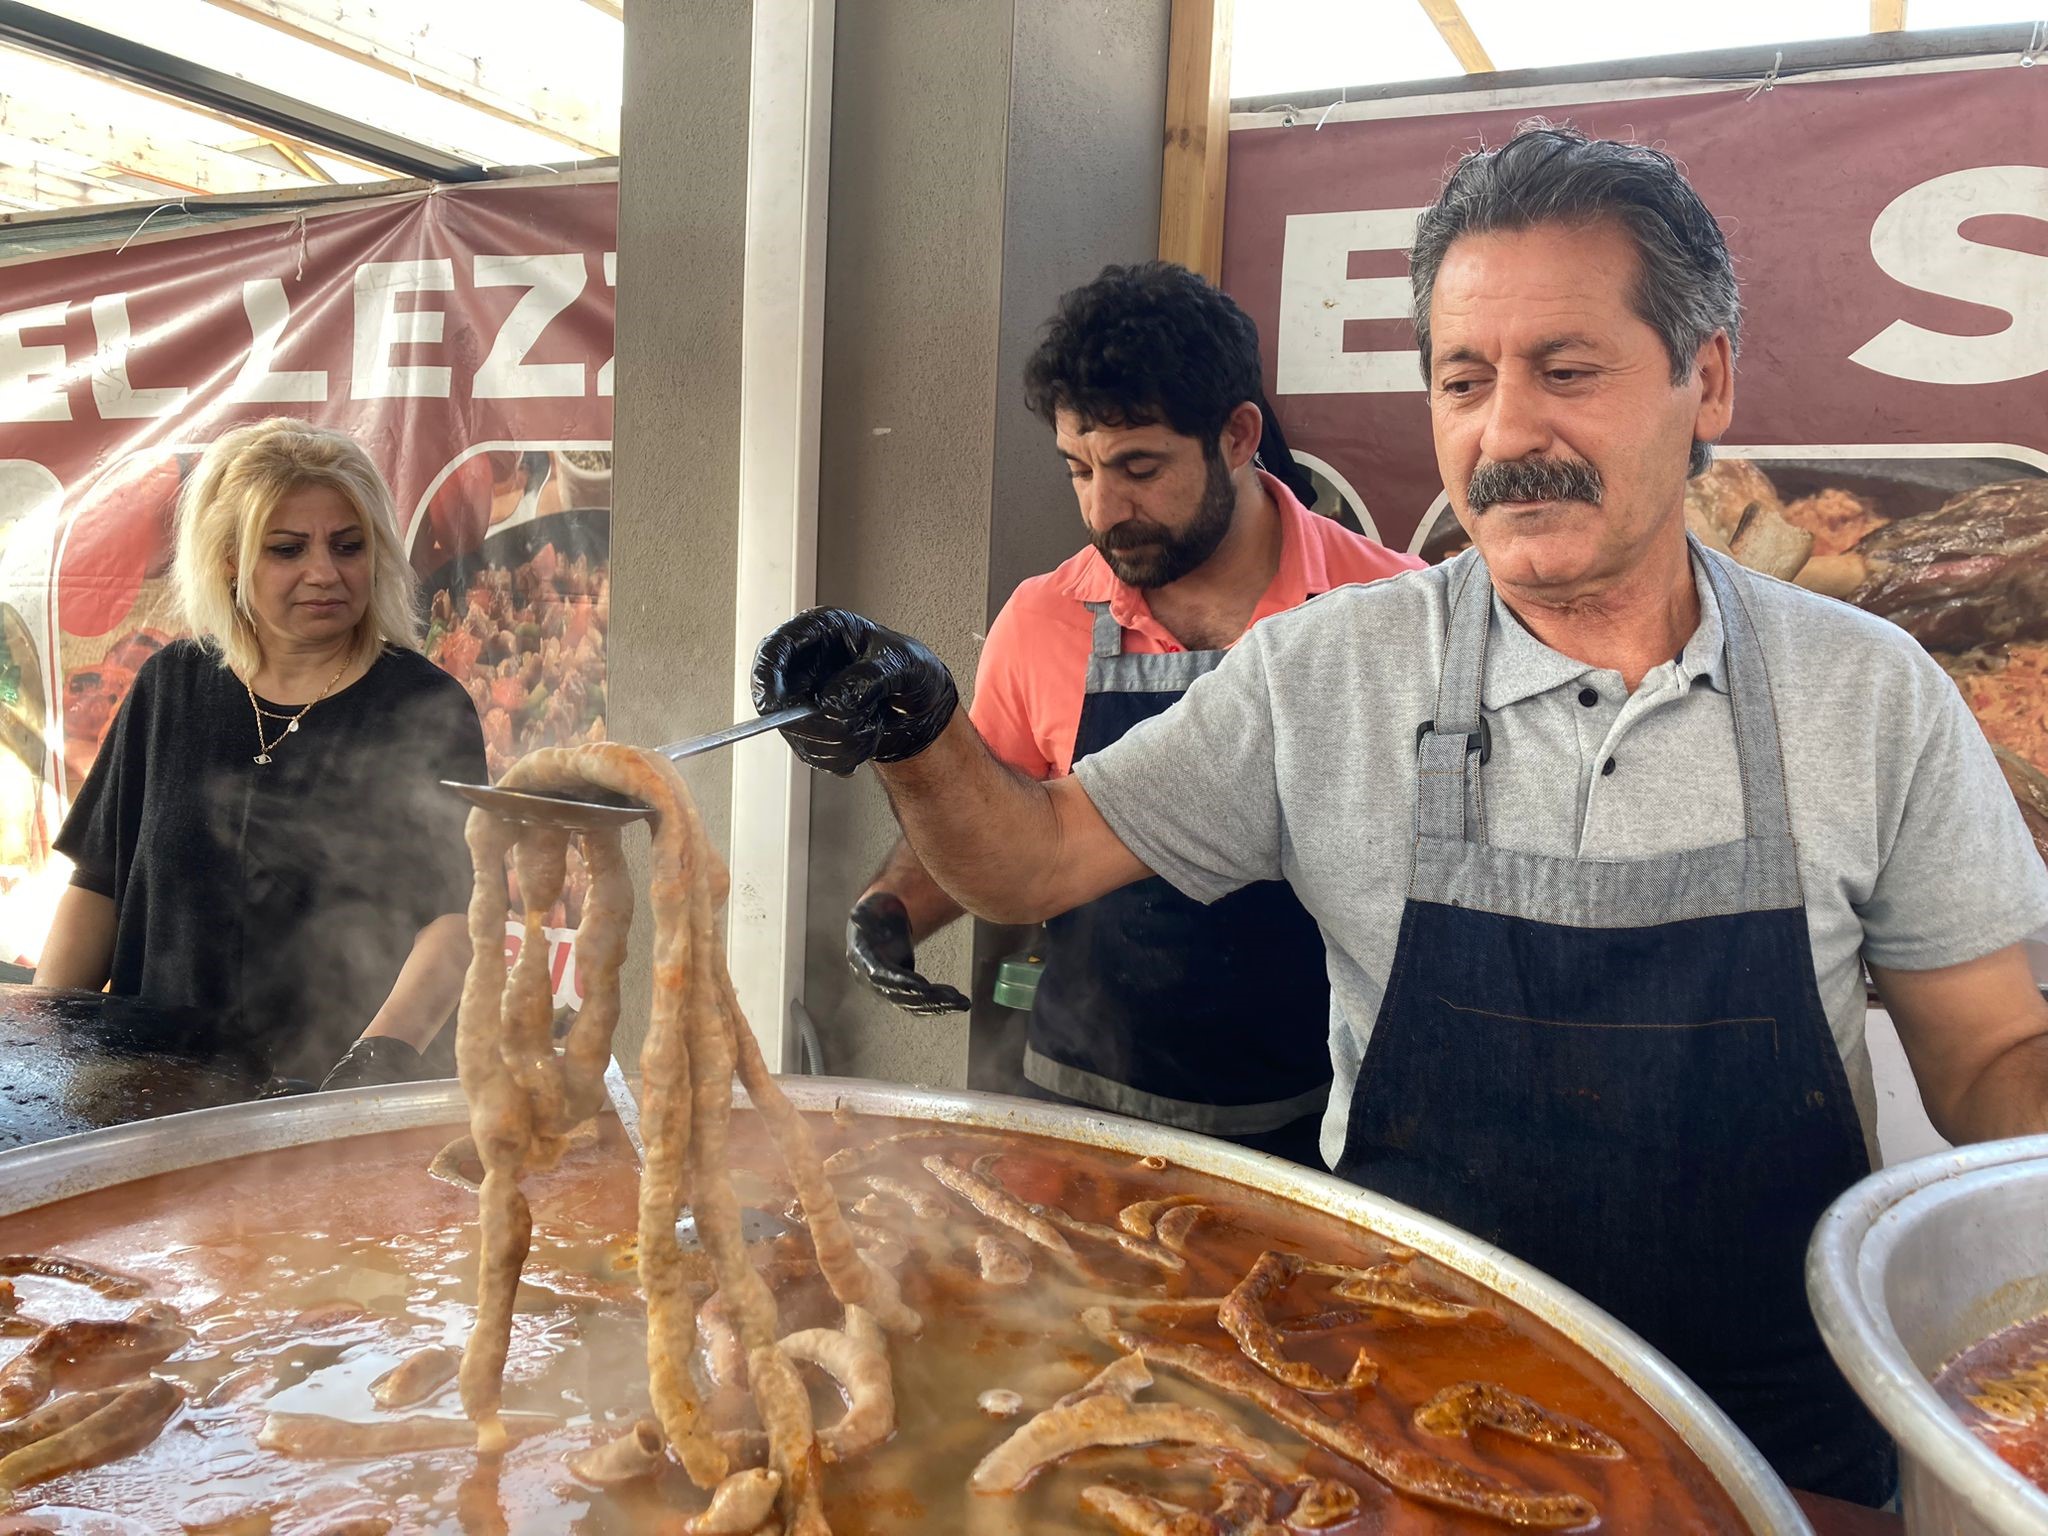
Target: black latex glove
point(373, 1061)
point(879, 694)
point(878, 949)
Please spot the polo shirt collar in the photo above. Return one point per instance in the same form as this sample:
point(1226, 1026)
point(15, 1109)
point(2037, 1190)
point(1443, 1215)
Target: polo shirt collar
point(1706, 653)
point(1303, 573)
point(1519, 666)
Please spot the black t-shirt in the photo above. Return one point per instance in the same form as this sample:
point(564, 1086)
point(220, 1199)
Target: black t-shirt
point(281, 897)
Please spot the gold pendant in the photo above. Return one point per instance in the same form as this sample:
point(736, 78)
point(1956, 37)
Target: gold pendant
point(262, 757)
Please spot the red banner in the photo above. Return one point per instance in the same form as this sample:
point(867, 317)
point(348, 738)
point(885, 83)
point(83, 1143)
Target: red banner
point(1890, 232)
point(462, 336)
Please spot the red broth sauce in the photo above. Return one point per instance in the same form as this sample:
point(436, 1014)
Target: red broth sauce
point(269, 1257)
point(1999, 1388)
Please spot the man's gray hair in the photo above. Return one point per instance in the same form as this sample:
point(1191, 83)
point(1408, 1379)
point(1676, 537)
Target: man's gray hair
point(1685, 284)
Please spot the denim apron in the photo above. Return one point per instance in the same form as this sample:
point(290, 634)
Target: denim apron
point(1212, 1018)
point(1622, 1072)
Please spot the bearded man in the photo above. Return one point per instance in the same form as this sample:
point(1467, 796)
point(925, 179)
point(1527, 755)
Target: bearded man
point(1209, 1018)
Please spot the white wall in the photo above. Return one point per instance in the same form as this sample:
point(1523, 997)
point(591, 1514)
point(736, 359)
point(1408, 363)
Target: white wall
point(986, 157)
point(1903, 1130)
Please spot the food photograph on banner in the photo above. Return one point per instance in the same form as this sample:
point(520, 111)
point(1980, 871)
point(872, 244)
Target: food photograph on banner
point(514, 559)
point(513, 551)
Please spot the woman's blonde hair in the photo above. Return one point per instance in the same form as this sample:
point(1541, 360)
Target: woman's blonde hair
point(226, 508)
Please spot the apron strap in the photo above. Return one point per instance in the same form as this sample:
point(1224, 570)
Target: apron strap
point(1766, 808)
point(1108, 635)
point(1451, 747)
point(1447, 746)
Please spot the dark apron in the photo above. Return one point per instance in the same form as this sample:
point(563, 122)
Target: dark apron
point(1622, 1072)
point(1212, 1018)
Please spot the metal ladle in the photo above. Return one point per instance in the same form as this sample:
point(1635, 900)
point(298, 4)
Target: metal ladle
point(587, 815)
point(756, 1225)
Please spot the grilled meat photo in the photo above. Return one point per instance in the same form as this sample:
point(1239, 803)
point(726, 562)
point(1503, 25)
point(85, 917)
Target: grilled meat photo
point(1973, 573)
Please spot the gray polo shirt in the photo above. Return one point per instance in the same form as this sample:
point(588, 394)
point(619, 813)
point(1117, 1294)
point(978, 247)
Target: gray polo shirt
point(1295, 760)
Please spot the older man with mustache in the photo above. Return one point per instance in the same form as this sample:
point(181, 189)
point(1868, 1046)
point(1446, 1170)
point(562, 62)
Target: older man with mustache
point(1600, 829)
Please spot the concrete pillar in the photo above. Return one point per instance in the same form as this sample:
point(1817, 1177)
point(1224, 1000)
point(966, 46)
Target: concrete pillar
point(986, 156)
point(682, 226)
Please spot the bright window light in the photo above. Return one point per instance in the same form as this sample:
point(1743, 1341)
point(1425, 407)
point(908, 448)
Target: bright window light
point(1518, 35)
point(1307, 45)
point(1283, 46)
point(1971, 13)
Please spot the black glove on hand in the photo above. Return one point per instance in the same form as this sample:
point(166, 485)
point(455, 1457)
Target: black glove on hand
point(373, 1061)
point(879, 694)
point(878, 949)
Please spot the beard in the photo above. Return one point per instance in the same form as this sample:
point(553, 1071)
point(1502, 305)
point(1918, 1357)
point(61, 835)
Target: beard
point(1533, 480)
point(1145, 555)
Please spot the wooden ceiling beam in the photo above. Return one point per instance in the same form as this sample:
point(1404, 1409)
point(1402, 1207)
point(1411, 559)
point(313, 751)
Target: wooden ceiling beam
point(300, 161)
point(352, 30)
point(40, 187)
point(1456, 31)
point(1887, 15)
point(188, 166)
point(296, 156)
point(300, 153)
point(616, 9)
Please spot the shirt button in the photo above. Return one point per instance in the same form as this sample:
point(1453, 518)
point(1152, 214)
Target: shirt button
point(1588, 697)
point(1606, 768)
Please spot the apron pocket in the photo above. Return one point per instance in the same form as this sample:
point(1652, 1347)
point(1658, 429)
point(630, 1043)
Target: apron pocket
point(1578, 1146)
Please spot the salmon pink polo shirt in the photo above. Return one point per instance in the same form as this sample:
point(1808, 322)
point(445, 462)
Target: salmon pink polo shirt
point(1034, 664)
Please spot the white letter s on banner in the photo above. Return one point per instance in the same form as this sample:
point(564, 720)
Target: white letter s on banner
point(1918, 240)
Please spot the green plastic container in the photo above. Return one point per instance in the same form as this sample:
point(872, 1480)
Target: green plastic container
point(1017, 981)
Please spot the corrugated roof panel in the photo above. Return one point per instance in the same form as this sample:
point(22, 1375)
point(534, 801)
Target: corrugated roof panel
point(252, 50)
point(516, 83)
point(64, 118)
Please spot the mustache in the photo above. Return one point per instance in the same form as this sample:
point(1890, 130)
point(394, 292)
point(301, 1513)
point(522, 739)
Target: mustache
point(1534, 480)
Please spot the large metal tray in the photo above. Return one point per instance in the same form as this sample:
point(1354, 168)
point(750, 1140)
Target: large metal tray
point(75, 1165)
point(1909, 1268)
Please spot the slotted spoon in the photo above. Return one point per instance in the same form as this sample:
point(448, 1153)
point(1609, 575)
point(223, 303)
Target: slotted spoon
point(585, 815)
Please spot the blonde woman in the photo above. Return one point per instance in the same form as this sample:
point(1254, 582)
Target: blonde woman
point(261, 835)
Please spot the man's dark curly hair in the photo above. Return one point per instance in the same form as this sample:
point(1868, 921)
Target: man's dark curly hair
point(1147, 344)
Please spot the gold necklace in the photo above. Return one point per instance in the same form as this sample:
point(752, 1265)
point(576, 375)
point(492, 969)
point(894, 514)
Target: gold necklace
point(291, 722)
